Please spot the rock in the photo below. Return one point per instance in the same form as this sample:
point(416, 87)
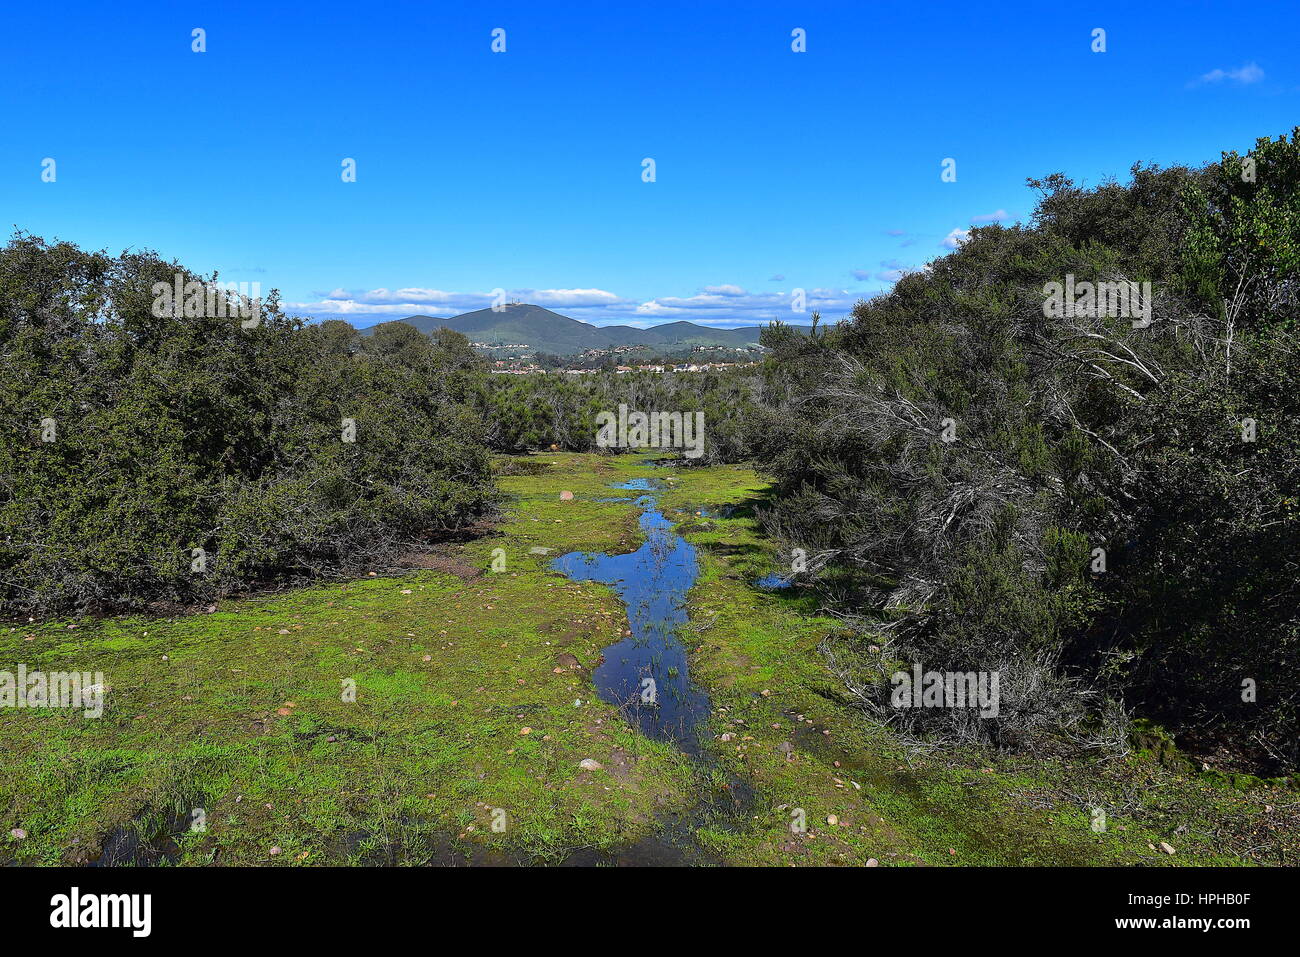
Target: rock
point(275, 851)
point(832, 820)
point(872, 862)
point(726, 737)
point(566, 496)
point(1166, 848)
point(588, 764)
point(18, 834)
point(525, 730)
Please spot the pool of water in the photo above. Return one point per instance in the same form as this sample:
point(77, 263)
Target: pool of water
point(646, 674)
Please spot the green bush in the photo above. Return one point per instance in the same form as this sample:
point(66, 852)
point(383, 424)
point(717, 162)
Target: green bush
point(172, 434)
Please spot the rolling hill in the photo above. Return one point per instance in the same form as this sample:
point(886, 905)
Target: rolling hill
point(546, 331)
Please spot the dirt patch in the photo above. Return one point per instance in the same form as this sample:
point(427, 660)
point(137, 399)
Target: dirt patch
point(440, 560)
point(568, 662)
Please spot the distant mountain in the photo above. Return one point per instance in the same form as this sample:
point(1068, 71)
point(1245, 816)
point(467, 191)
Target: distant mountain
point(545, 331)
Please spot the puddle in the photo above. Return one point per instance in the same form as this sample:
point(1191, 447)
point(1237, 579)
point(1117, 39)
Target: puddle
point(652, 582)
point(640, 485)
point(150, 839)
point(716, 511)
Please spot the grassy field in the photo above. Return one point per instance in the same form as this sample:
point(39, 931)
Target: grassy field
point(474, 708)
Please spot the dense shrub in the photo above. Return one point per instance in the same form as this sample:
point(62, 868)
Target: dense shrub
point(172, 434)
point(1072, 435)
point(537, 411)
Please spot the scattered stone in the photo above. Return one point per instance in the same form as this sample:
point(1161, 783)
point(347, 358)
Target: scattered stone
point(832, 820)
point(566, 496)
point(872, 862)
point(588, 764)
point(18, 834)
point(1166, 848)
point(525, 730)
point(275, 851)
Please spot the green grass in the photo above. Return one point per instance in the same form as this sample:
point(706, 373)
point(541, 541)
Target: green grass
point(242, 713)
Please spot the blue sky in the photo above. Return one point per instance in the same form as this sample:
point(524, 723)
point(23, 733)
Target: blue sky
point(522, 170)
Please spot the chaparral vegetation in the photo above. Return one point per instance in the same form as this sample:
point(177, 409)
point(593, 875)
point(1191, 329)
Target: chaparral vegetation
point(318, 568)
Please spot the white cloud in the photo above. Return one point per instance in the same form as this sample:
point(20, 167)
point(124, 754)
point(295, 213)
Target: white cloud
point(996, 217)
point(1250, 73)
point(955, 238)
point(722, 305)
point(567, 297)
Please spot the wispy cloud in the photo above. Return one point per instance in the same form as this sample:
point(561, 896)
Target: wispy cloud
point(892, 270)
point(722, 305)
point(1242, 75)
point(740, 307)
point(996, 217)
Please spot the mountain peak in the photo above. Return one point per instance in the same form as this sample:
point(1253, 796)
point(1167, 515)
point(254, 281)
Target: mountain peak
point(528, 324)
